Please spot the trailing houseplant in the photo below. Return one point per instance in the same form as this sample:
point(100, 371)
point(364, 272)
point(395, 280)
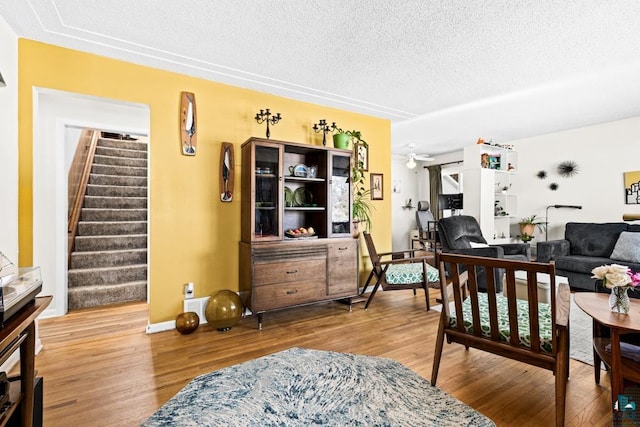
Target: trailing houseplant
point(361, 204)
point(341, 137)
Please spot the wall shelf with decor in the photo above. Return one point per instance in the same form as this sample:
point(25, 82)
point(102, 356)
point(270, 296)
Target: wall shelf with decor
point(296, 246)
point(488, 195)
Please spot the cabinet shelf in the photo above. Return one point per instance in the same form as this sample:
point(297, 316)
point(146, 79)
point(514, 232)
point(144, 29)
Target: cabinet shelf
point(305, 208)
point(301, 179)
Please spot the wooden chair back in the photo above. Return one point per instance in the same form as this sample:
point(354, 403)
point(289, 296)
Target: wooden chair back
point(483, 312)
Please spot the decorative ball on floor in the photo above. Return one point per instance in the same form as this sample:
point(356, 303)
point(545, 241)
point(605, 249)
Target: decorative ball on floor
point(224, 310)
point(187, 322)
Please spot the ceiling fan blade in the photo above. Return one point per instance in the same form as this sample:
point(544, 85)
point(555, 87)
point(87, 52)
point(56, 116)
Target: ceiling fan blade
point(423, 157)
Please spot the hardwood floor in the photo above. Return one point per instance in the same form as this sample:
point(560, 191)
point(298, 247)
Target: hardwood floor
point(100, 368)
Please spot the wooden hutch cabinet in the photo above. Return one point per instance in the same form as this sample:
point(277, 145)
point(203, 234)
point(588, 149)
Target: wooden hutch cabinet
point(288, 186)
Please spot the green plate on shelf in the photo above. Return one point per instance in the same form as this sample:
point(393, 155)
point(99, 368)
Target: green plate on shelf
point(288, 197)
point(302, 197)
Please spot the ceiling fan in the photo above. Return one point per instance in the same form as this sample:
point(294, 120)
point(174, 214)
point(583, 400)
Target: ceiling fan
point(412, 157)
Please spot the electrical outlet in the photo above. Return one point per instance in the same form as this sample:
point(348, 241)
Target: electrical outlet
point(188, 290)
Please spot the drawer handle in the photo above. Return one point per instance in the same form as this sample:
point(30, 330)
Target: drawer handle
point(343, 249)
point(292, 292)
point(292, 272)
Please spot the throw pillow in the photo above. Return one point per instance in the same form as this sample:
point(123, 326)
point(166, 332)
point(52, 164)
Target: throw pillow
point(627, 247)
point(480, 245)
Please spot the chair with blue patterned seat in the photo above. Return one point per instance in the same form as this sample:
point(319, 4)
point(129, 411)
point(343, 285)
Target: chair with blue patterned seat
point(400, 270)
point(526, 330)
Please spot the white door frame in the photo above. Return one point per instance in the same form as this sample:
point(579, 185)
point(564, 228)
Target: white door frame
point(53, 112)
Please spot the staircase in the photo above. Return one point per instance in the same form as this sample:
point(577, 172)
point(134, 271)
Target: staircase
point(109, 261)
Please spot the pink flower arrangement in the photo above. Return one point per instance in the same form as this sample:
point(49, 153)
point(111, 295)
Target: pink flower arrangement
point(635, 278)
point(617, 276)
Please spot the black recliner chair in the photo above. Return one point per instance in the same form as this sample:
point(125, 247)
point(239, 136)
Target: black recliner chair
point(461, 234)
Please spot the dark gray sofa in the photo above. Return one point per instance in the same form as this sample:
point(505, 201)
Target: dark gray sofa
point(584, 247)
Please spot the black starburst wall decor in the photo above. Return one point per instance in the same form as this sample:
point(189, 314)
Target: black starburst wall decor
point(542, 174)
point(568, 169)
point(553, 186)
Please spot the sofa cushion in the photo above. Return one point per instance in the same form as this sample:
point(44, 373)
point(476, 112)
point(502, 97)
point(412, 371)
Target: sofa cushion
point(593, 240)
point(627, 247)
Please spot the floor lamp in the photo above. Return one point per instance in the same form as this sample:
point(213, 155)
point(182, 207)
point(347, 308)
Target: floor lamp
point(546, 230)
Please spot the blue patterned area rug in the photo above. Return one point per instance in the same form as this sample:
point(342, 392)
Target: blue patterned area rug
point(301, 387)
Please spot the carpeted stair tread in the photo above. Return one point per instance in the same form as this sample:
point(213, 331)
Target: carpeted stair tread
point(97, 214)
point(100, 179)
point(99, 243)
point(119, 257)
point(120, 161)
point(93, 296)
point(120, 152)
point(115, 202)
point(111, 228)
point(121, 143)
point(106, 275)
point(118, 170)
point(116, 191)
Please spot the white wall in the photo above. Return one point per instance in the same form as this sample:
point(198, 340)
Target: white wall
point(54, 113)
point(603, 153)
point(405, 181)
point(9, 143)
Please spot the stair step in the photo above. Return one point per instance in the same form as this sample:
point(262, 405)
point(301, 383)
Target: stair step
point(106, 275)
point(80, 260)
point(122, 143)
point(116, 190)
point(118, 170)
point(94, 296)
point(95, 214)
point(115, 202)
point(111, 228)
point(106, 243)
point(135, 181)
point(121, 152)
point(119, 161)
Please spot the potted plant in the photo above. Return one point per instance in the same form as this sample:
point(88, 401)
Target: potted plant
point(342, 137)
point(528, 226)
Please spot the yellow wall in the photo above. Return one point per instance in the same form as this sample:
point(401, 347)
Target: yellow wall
point(193, 235)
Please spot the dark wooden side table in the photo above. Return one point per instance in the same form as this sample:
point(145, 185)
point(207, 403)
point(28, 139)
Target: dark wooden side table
point(621, 368)
point(19, 332)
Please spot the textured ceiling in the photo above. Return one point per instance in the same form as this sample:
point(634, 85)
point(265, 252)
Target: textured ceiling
point(444, 72)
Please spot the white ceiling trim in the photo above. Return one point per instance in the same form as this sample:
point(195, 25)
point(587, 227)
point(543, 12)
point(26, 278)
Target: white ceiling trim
point(207, 67)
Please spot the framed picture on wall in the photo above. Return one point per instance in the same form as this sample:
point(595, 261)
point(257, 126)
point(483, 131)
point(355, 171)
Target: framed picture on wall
point(362, 155)
point(376, 186)
point(632, 187)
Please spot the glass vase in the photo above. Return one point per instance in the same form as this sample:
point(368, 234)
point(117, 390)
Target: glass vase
point(619, 300)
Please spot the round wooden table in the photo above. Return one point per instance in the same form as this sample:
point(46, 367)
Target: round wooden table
point(597, 306)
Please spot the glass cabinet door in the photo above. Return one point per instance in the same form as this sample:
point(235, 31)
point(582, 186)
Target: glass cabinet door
point(267, 188)
point(340, 195)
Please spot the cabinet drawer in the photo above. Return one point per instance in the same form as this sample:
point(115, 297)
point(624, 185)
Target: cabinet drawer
point(286, 294)
point(289, 271)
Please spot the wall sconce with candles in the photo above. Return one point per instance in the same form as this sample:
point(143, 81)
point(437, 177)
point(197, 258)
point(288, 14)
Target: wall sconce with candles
point(323, 127)
point(266, 116)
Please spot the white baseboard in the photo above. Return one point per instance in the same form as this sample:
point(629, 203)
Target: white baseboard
point(152, 328)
